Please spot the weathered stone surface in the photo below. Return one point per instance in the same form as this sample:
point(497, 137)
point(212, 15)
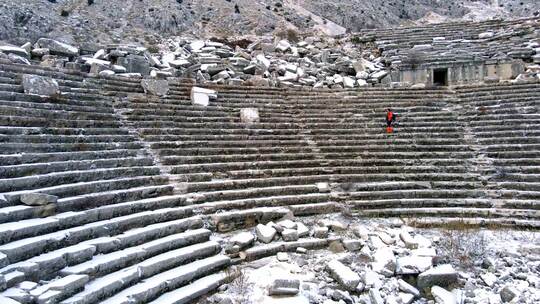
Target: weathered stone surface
point(284, 287)
point(14, 50)
point(243, 239)
point(249, 115)
point(58, 48)
point(443, 296)
point(155, 86)
point(265, 233)
point(320, 232)
point(408, 288)
point(5, 300)
point(347, 278)
point(442, 275)
point(413, 264)
point(375, 296)
point(38, 199)
point(289, 235)
point(135, 64)
point(385, 261)
point(39, 85)
point(201, 96)
point(508, 293)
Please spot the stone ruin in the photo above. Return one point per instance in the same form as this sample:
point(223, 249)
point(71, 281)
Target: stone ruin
point(127, 177)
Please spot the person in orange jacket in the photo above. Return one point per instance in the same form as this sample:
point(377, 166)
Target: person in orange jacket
point(390, 118)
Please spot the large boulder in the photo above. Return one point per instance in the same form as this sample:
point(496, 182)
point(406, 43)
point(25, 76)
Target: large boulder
point(155, 86)
point(347, 278)
point(57, 47)
point(39, 85)
point(135, 64)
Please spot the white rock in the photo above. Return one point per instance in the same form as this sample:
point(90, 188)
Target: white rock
point(443, 296)
point(489, 279)
point(288, 77)
point(262, 60)
point(375, 296)
point(348, 82)
point(265, 233)
point(486, 35)
point(196, 45)
point(303, 231)
point(406, 298)
point(338, 79)
point(362, 83)
point(106, 73)
point(249, 115)
point(243, 239)
point(282, 256)
point(179, 63)
point(100, 54)
point(14, 50)
point(283, 45)
point(56, 47)
point(343, 275)
point(413, 264)
point(385, 261)
point(39, 85)
point(408, 239)
point(320, 232)
point(289, 235)
point(408, 288)
point(202, 96)
point(288, 224)
point(371, 279)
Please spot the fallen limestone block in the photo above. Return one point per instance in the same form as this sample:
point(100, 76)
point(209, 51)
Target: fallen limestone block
point(284, 287)
point(320, 232)
point(14, 50)
point(443, 275)
point(347, 278)
point(375, 296)
point(243, 239)
point(486, 35)
point(249, 115)
point(408, 288)
point(264, 233)
point(302, 229)
point(508, 293)
point(201, 96)
point(5, 300)
point(385, 261)
point(289, 235)
point(39, 85)
point(58, 48)
point(38, 199)
point(443, 296)
point(18, 59)
point(283, 45)
point(413, 264)
point(155, 87)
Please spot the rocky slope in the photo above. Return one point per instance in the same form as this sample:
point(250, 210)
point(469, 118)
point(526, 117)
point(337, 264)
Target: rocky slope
point(146, 20)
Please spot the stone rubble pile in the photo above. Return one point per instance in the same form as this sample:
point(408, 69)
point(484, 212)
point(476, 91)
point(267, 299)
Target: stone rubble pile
point(313, 62)
point(391, 264)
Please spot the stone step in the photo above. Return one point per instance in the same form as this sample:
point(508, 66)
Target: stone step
point(167, 281)
point(513, 147)
point(265, 201)
point(220, 190)
point(8, 130)
point(50, 106)
point(92, 200)
point(60, 122)
point(28, 158)
point(67, 177)
point(464, 212)
point(239, 219)
point(21, 170)
point(66, 99)
point(416, 193)
point(173, 160)
point(436, 221)
point(18, 147)
point(56, 140)
point(194, 290)
point(420, 203)
point(168, 221)
point(71, 190)
point(101, 265)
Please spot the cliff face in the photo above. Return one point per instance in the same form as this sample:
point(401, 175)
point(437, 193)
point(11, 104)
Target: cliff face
point(144, 21)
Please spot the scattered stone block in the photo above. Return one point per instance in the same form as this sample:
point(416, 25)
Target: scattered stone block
point(284, 287)
point(347, 278)
point(443, 296)
point(303, 231)
point(282, 257)
point(508, 293)
point(155, 87)
point(39, 85)
point(375, 296)
point(38, 199)
point(7, 49)
point(265, 233)
point(243, 239)
point(408, 288)
point(249, 115)
point(57, 47)
point(442, 275)
point(289, 235)
point(413, 264)
point(201, 96)
point(320, 232)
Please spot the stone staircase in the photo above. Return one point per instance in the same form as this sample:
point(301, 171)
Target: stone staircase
point(117, 222)
point(144, 181)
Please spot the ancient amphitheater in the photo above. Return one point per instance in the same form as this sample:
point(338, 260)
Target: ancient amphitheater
point(151, 196)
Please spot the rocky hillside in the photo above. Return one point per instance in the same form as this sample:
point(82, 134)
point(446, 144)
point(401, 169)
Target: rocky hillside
point(144, 21)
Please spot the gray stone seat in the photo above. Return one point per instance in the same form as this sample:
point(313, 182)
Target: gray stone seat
point(170, 280)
